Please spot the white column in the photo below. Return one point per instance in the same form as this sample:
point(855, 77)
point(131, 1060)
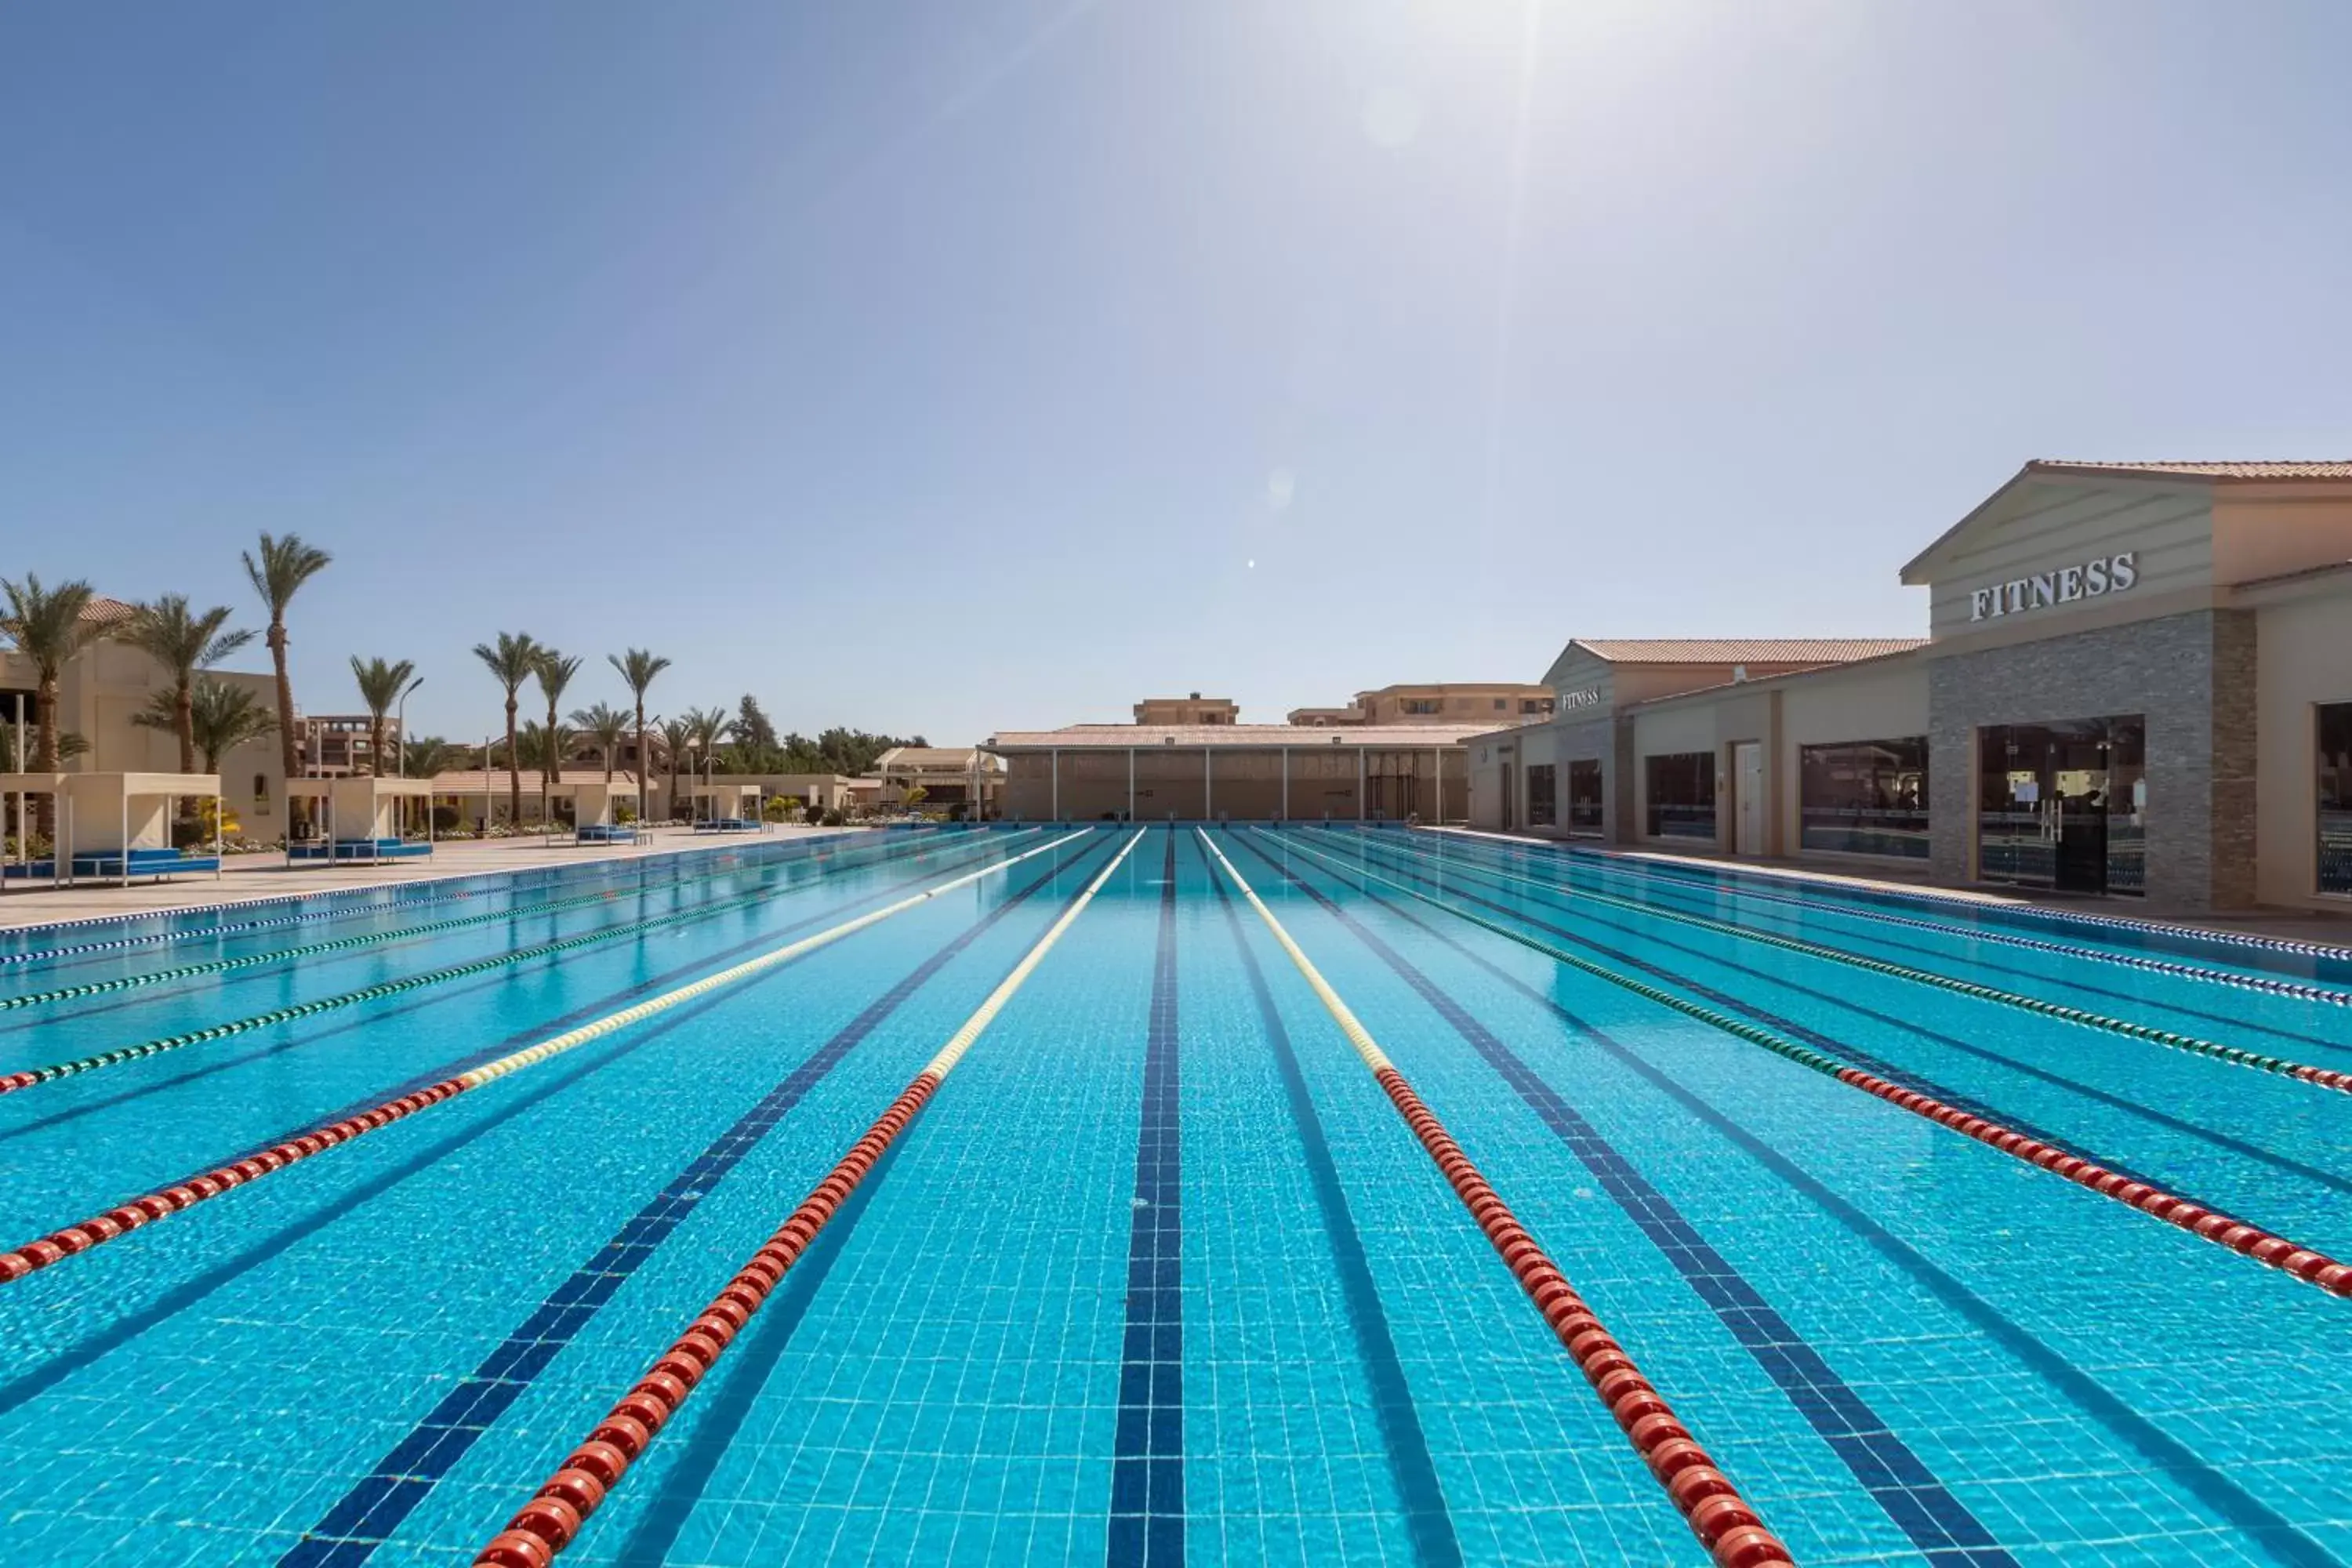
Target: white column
point(1208, 783)
point(1438, 784)
point(1131, 783)
point(1360, 784)
point(1286, 783)
point(1057, 783)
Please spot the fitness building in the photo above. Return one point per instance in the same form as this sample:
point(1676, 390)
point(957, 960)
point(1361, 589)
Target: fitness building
point(2136, 681)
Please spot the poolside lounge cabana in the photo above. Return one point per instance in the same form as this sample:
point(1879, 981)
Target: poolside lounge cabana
point(361, 816)
point(114, 825)
point(595, 817)
point(725, 807)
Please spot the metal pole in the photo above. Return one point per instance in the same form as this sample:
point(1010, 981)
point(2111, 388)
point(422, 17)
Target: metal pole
point(1057, 783)
point(1130, 784)
point(1360, 784)
point(1208, 784)
point(1437, 783)
point(1286, 783)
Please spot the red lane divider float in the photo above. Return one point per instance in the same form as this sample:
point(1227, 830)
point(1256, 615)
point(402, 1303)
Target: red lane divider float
point(2222, 1229)
point(1725, 1524)
point(100, 1228)
point(2304, 1263)
point(547, 1523)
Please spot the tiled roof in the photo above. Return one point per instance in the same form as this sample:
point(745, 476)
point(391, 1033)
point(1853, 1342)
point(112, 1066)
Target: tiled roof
point(107, 612)
point(2320, 468)
point(1143, 737)
point(1742, 650)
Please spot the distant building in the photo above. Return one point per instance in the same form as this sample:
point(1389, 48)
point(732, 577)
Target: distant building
point(1193, 708)
point(1239, 773)
point(1490, 705)
point(335, 745)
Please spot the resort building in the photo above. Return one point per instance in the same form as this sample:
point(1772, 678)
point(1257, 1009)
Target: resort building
point(106, 686)
point(1489, 704)
point(335, 745)
point(2136, 680)
point(1192, 709)
point(1239, 773)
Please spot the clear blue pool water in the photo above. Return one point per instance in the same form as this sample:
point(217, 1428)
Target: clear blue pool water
point(1160, 1276)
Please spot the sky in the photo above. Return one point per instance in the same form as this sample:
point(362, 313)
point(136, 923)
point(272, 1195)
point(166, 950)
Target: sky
point(990, 364)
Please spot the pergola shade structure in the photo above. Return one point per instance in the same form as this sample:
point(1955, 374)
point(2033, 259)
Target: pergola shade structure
point(1243, 772)
point(359, 819)
point(114, 825)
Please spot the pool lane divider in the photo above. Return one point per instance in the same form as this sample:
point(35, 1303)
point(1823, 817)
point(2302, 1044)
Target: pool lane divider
point(32, 1078)
point(1147, 1467)
point(1913, 1497)
point(2293, 989)
point(554, 1517)
point(2170, 1039)
point(351, 1530)
point(2264, 1247)
point(120, 1221)
point(1709, 873)
point(404, 895)
point(1731, 1530)
point(372, 939)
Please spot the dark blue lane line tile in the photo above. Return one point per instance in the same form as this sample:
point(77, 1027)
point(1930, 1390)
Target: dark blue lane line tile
point(349, 1532)
point(1897, 1479)
point(1147, 1472)
point(1909, 1077)
point(2220, 1139)
point(2279, 1538)
point(1429, 1522)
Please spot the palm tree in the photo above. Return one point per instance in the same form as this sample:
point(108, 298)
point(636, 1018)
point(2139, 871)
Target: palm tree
point(284, 566)
point(677, 735)
point(704, 727)
point(537, 743)
point(48, 627)
point(638, 669)
point(381, 686)
point(428, 755)
point(555, 672)
point(512, 659)
point(609, 726)
point(221, 716)
point(183, 643)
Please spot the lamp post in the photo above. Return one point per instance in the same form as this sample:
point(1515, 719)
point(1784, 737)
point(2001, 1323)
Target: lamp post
point(400, 723)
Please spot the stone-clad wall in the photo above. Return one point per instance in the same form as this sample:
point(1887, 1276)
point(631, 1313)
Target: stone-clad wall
point(2191, 675)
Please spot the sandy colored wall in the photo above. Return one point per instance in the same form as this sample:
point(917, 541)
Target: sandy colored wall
point(2305, 659)
point(2167, 528)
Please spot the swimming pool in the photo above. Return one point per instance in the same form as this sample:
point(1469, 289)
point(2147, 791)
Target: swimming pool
point(1928, 1235)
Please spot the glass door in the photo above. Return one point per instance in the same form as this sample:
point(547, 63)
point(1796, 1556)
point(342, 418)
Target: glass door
point(2064, 806)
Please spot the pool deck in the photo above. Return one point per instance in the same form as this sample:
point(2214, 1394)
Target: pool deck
point(2293, 925)
point(245, 879)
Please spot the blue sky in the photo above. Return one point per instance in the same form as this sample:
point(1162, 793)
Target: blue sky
point(993, 364)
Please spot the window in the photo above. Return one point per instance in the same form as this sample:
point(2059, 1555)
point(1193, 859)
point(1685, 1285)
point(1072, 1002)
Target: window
point(2335, 798)
point(261, 794)
point(1867, 797)
point(1533, 705)
point(1543, 799)
point(1584, 798)
point(1423, 705)
point(1501, 703)
point(1682, 795)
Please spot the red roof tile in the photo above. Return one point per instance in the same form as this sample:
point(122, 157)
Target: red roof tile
point(2320, 468)
point(1743, 650)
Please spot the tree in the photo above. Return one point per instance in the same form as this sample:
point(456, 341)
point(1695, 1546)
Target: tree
point(914, 796)
point(753, 736)
point(704, 726)
point(47, 626)
point(512, 659)
point(221, 717)
point(677, 735)
point(382, 686)
point(555, 672)
point(538, 744)
point(426, 756)
point(638, 668)
point(183, 643)
point(608, 726)
point(277, 574)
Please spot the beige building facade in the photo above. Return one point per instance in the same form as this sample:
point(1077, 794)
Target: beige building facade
point(1487, 704)
point(107, 684)
point(1190, 709)
point(1235, 773)
point(2137, 683)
